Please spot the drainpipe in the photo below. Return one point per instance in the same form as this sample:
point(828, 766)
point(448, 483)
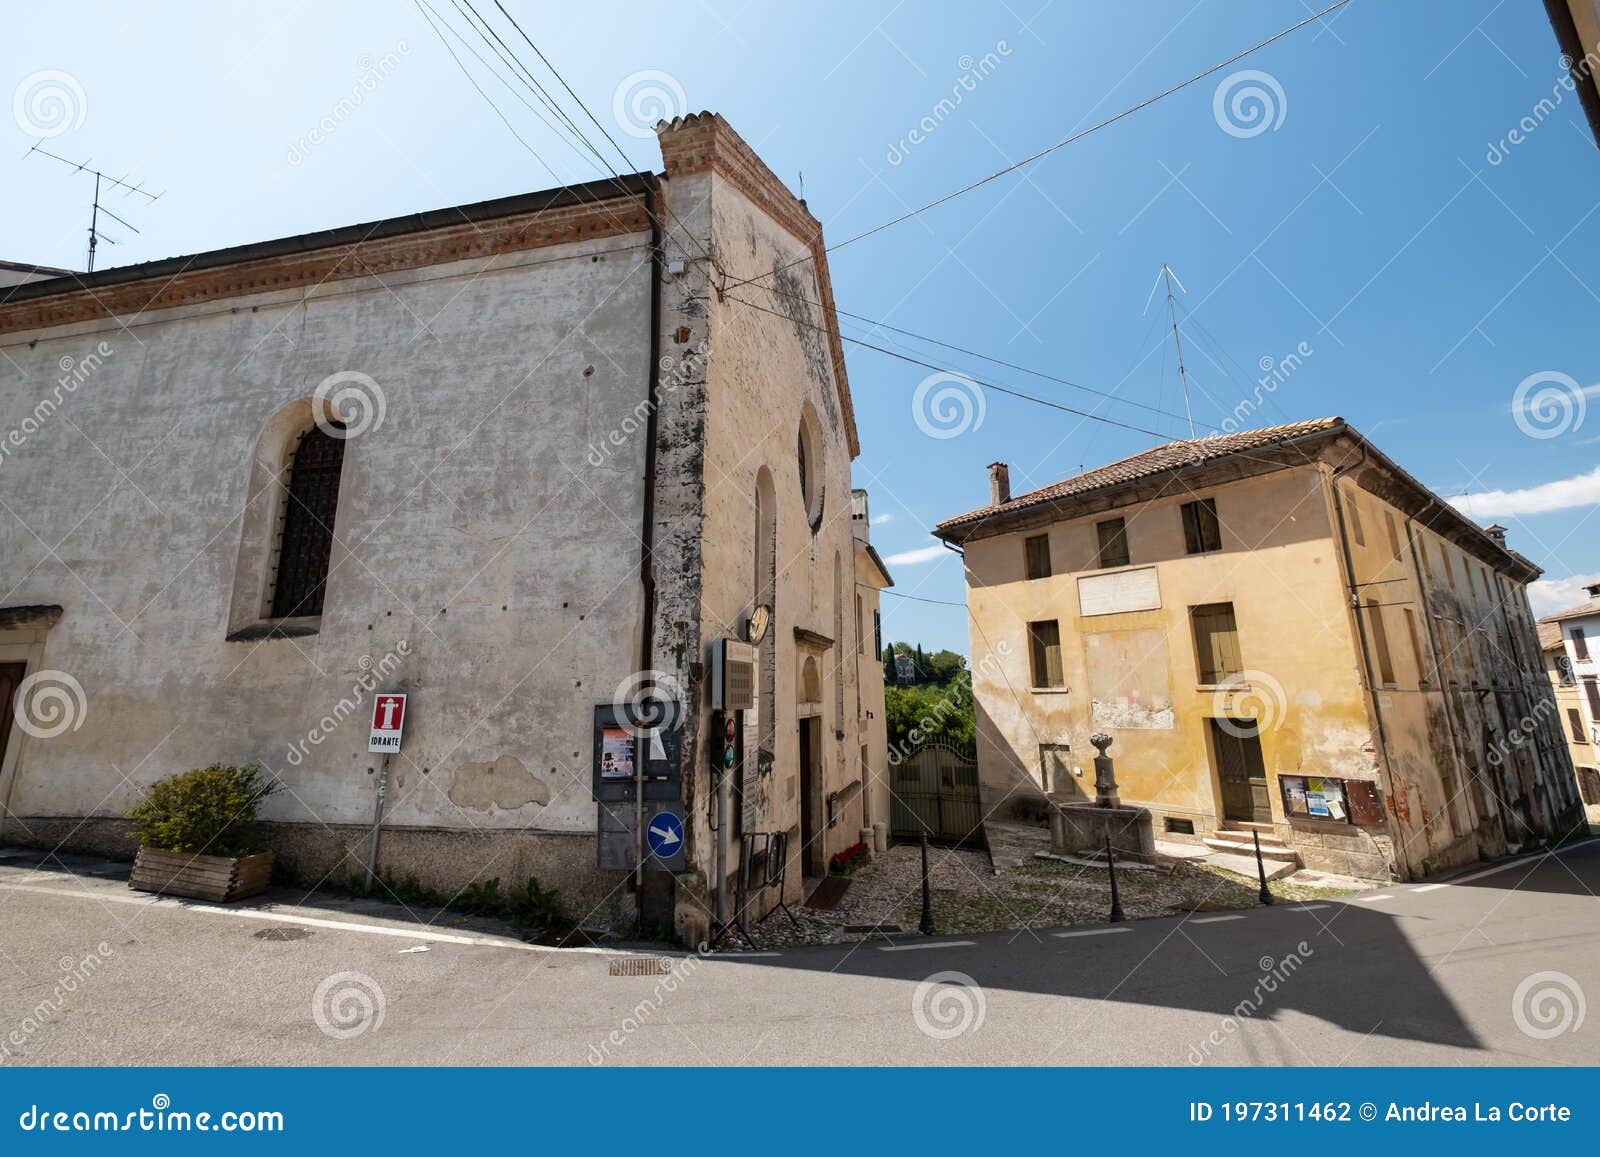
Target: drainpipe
point(647, 578)
point(1368, 684)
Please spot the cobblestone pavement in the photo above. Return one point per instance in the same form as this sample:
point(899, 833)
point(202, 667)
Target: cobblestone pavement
point(970, 896)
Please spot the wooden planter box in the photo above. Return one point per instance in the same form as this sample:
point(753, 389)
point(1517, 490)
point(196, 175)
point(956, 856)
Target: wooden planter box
point(218, 878)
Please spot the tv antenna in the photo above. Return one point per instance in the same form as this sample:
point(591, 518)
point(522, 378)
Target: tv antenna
point(97, 208)
point(1166, 275)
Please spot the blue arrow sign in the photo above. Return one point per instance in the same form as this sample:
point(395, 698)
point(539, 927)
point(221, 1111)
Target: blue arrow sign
point(664, 836)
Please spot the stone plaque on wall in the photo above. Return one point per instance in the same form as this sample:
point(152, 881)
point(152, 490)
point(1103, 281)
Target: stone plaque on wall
point(1121, 591)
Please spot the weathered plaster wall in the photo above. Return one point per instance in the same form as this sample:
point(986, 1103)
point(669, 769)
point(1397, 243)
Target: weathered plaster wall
point(765, 371)
point(1474, 740)
point(489, 522)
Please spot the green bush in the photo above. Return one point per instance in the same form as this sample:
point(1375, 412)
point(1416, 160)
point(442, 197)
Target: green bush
point(203, 811)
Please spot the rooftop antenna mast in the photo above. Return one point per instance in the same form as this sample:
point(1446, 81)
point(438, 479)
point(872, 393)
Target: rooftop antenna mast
point(1166, 276)
point(96, 208)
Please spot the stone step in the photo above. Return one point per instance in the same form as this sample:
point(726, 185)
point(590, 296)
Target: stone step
point(1246, 865)
point(1270, 850)
point(1249, 826)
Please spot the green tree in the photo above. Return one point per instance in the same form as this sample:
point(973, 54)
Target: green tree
point(923, 714)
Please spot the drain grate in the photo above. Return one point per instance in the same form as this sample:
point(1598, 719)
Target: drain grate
point(641, 966)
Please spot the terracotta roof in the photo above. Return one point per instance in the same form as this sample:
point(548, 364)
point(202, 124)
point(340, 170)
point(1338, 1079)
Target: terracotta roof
point(1592, 607)
point(1169, 456)
point(1550, 636)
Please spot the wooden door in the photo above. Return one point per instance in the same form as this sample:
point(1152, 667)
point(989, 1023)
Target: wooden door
point(1241, 771)
point(811, 849)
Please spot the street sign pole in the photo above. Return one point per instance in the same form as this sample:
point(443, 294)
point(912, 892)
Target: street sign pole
point(377, 824)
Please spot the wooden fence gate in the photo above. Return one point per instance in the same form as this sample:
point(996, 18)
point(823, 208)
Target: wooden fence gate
point(935, 790)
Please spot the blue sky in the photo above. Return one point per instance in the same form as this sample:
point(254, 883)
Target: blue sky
point(1366, 223)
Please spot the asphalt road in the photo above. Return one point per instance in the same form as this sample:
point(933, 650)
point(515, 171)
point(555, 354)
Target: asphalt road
point(1494, 967)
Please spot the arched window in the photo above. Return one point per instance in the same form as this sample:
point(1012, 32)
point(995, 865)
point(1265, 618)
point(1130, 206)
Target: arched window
point(305, 539)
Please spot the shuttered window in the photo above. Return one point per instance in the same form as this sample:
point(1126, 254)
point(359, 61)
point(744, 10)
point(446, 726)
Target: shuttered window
point(1044, 643)
point(1113, 542)
point(1592, 690)
point(1201, 532)
point(1380, 643)
point(1580, 644)
point(1038, 552)
point(1355, 522)
point(1216, 642)
point(306, 540)
point(1575, 725)
point(1394, 535)
point(1416, 645)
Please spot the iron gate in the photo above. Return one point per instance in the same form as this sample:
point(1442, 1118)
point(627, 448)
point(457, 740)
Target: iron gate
point(935, 790)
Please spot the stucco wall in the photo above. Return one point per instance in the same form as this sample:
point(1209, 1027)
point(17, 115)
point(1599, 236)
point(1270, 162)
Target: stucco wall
point(481, 532)
point(1276, 567)
point(765, 372)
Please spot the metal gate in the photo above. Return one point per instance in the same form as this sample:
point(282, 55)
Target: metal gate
point(935, 790)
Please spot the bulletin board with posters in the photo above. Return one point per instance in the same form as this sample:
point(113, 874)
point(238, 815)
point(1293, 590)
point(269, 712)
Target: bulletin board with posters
point(1314, 797)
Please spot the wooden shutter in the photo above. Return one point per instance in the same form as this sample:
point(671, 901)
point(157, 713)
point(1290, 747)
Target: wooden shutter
point(1575, 725)
point(1380, 642)
point(1038, 552)
point(1216, 636)
point(1580, 644)
point(1045, 643)
point(1201, 531)
point(1592, 690)
point(1113, 536)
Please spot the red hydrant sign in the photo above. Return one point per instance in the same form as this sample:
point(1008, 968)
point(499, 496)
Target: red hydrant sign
point(388, 719)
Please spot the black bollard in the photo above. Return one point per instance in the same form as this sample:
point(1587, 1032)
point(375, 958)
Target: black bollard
point(1261, 870)
point(927, 894)
point(1116, 900)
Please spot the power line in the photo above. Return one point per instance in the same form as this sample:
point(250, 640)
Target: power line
point(968, 377)
point(1064, 142)
point(913, 598)
point(1107, 394)
point(564, 84)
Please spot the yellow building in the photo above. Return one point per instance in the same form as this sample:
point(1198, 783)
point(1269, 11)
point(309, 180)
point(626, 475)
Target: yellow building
point(1561, 635)
point(1282, 630)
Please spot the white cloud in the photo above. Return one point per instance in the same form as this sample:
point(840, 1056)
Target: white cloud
point(919, 556)
point(1563, 494)
point(1547, 596)
point(880, 519)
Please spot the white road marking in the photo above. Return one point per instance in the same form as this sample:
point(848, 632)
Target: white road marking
point(1213, 919)
point(935, 944)
point(1529, 861)
point(1378, 899)
point(1092, 932)
point(1307, 907)
point(147, 901)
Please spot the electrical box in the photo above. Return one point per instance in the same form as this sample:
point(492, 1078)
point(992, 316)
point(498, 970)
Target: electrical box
point(733, 675)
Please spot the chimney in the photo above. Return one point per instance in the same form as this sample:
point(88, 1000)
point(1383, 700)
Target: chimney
point(999, 483)
point(1496, 532)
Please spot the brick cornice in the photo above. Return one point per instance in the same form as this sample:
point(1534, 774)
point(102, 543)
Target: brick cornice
point(704, 142)
point(385, 248)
